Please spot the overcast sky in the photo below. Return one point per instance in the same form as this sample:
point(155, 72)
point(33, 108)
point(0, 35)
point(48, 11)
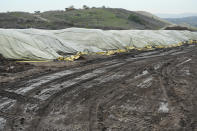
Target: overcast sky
point(153, 6)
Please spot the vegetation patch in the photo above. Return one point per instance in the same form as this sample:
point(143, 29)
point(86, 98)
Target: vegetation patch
point(135, 18)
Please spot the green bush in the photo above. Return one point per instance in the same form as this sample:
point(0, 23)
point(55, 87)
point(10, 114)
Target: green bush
point(135, 18)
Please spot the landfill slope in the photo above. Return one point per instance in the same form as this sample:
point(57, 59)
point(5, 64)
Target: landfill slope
point(139, 90)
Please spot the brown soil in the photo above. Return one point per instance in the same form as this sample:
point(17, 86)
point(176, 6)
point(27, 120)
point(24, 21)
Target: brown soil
point(11, 66)
point(135, 91)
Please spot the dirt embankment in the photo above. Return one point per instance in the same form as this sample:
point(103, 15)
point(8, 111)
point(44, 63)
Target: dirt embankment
point(146, 91)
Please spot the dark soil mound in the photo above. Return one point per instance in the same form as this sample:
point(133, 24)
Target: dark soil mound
point(11, 66)
point(177, 28)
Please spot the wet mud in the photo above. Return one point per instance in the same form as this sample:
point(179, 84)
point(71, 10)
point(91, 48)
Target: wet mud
point(135, 91)
point(11, 66)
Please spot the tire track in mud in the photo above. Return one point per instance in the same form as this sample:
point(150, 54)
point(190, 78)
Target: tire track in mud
point(105, 103)
point(75, 77)
point(100, 118)
point(112, 72)
point(79, 83)
point(109, 99)
point(98, 110)
point(80, 78)
point(168, 83)
point(44, 80)
point(77, 86)
point(18, 97)
point(33, 79)
point(92, 84)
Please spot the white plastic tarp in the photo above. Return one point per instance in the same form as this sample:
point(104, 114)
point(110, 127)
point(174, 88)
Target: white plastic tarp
point(44, 44)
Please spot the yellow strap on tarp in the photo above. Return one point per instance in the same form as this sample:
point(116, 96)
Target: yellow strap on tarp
point(35, 61)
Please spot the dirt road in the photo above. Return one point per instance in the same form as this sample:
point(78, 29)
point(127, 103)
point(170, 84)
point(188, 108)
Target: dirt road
point(136, 91)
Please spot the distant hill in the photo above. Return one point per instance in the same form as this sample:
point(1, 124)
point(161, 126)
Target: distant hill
point(184, 21)
point(176, 15)
point(101, 18)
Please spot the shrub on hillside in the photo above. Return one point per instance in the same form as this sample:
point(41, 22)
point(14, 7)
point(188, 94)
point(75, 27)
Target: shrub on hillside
point(70, 8)
point(135, 18)
point(85, 7)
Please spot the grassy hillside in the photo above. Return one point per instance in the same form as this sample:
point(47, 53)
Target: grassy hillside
point(102, 18)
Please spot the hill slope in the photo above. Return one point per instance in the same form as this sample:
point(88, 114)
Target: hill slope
point(186, 20)
point(102, 18)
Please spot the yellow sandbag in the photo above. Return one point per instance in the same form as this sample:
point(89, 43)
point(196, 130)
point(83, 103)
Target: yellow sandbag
point(190, 42)
point(139, 49)
point(159, 46)
point(60, 58)
point(121, 51)
point(180, 44)
point(111, 52)
point(101, 53)
point(148, 47)
point(130, 47)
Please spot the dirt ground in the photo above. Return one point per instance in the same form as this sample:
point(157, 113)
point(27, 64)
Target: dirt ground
point(10, 66)
point(135, 91)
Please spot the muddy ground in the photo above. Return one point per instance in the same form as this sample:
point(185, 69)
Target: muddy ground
point(11, 66)
point(136, 91)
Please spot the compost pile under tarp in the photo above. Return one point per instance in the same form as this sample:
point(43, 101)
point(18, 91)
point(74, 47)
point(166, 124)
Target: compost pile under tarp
point(44, 44)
